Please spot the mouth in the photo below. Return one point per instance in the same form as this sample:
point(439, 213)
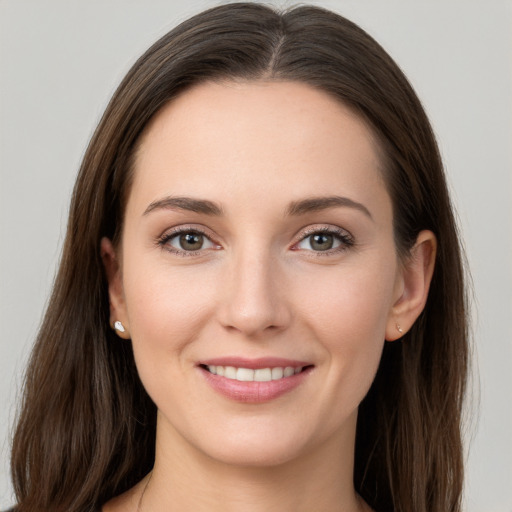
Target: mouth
point(254, 381)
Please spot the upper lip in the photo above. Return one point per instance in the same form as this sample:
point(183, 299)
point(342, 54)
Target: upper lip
point(254, 364)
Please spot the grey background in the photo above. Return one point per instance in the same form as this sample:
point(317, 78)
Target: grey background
point(60, 60)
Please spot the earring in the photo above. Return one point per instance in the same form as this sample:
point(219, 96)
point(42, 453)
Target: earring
point(118, 326)
point(399, 329)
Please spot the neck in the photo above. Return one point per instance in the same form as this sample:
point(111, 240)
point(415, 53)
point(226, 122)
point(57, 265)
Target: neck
point(185, 478)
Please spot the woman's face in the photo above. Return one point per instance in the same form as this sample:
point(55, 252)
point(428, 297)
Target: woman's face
point(257, 238)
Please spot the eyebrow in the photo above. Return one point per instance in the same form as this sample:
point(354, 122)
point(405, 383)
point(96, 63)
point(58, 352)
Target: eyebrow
point(315, 204)
point(185, 203)
point(308, 205)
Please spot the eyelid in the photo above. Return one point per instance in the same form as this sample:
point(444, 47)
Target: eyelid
point(345, 237)
point(170, 233)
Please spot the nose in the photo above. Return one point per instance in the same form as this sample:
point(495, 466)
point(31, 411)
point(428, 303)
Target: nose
point(254, 298)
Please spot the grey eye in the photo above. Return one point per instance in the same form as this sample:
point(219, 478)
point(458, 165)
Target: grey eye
point(190, 241)
point(322, 242)
point(319, 242)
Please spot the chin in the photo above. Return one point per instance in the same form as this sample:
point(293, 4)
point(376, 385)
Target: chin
point(263, 445)
point(256, 455)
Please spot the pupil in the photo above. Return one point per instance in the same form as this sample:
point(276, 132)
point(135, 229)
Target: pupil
point(322, 242)
point(191, 241)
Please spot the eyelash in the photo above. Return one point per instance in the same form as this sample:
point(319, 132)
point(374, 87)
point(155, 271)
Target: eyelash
point(163, 241)
point(343, 237)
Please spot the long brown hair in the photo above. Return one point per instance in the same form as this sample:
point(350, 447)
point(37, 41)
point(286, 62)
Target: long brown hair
point(86, 429)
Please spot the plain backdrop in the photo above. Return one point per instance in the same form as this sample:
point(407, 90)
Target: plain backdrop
point(60, 61)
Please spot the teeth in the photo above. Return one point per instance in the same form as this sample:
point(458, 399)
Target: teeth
point(230, 372)
point(263, 375)
point(277, 373)
point(249, 375)
point(289, 371)
point(245, 374)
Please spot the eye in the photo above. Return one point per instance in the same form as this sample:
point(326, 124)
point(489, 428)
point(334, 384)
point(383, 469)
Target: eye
point(325, 241)
point(319, 242)
point(186, 241)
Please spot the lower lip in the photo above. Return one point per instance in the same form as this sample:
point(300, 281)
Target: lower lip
point(254, 392)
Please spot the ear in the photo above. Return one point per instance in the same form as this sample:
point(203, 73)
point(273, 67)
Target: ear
point(415, 277)
point(112, 266)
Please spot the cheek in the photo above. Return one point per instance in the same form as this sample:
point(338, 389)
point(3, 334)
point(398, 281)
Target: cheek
point(167, 311)
point(167, 308)
point(355, 299)
point(348, 312)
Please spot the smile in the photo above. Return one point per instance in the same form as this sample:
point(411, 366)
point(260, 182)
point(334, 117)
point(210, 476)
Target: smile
point(254, 380)
point(254, 375)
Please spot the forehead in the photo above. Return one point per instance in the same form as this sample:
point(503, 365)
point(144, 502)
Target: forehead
point(248, 138)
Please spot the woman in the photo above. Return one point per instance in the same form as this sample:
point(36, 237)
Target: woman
point(261, 207)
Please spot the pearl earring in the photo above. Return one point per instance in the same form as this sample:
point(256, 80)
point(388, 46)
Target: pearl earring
point(399, 329)
point(118, 326)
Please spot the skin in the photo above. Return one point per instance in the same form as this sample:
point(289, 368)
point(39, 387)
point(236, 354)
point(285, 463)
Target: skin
point(258, 288)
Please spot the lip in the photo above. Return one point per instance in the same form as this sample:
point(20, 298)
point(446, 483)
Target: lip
point(254, 392)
